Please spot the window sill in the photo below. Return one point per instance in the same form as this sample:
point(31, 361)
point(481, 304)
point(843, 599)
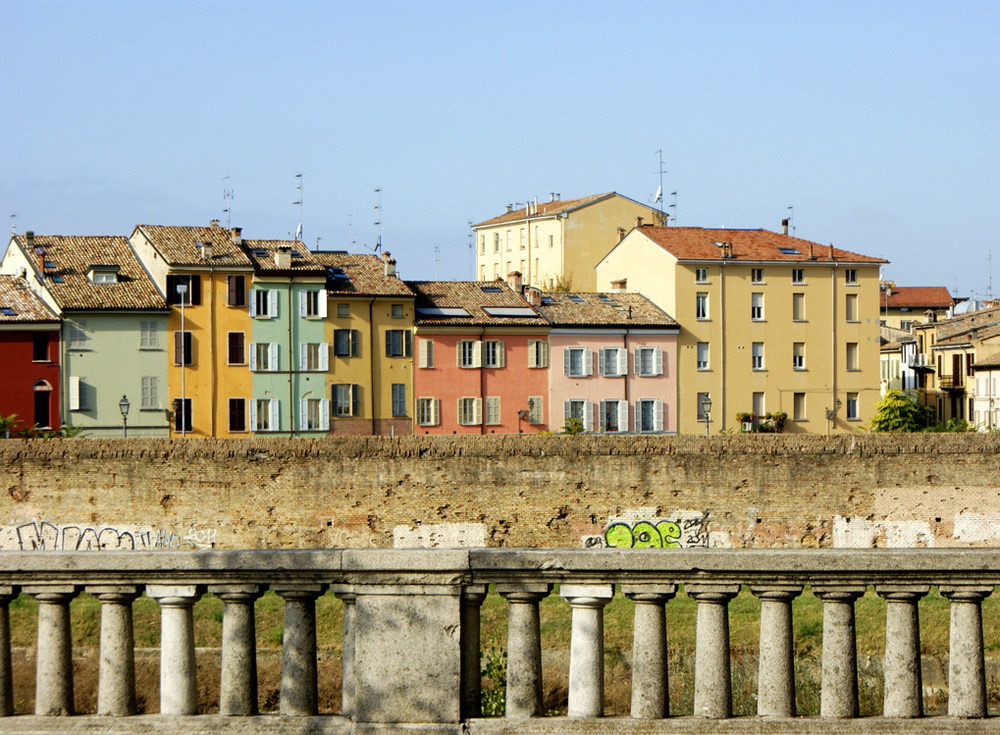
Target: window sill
point(800, 369)
point(236, 364)
point(800, 321)
point(758, 319)
point(702, 319)
point(41, 362)
point(704, 370)
point(853, 321)
point(759, 370)
point(151, 408)
point(854, 370)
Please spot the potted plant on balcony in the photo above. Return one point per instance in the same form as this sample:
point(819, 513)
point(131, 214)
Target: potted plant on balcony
point(746, 421)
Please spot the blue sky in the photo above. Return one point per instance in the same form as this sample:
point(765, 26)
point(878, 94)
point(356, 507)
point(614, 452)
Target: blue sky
point(877, 121)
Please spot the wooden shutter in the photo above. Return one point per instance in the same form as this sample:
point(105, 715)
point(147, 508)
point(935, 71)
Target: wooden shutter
point(252, 405)
point(324, 414)
point(195, 290)
point(324, 356)
point(275, 413)
point(303, 355)
point(622, 361)
point(322, 303)
point(355, 343)
point(74, 393)
point(588, 362)
point(622, 415)
point(544, 355)
point(501, 354)
point(253, 356)
point(178, 348)
point(435, 411)
point(303, 304)
point(588, 415)
point(478, 409)
point(658, 363)
point(477, 354)
point(272, 357)
point(658, 416)
point(355, 400)
point(272, 303)
point(303, 414)
point(408, 343)
point(252, 304)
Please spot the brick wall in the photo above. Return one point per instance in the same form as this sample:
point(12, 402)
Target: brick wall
point(526, 491)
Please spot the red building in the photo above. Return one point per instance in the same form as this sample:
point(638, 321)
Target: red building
point(29, 343)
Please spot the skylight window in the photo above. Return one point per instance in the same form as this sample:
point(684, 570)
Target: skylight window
point(259, 252)
point(337, 273)
point(548, 300)
point(513, 311)
point(441, 311)
point(789, 251)
point(576, 299)
point(7, 311)
point(492, 289)
point(49, 264)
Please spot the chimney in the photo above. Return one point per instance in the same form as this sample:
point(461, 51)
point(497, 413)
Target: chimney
point(638, 221)
point(237, 236)
point(619, 285)
point(533, 295)
point(389, 264)
point(536, 205)
point(206, 251)
point(621, 234)
point(514, 281)
point(29, 237)
point(283, 258)
point(552, 196)
point(784, 227)
point(811, 256)
point(214, 223)
point(831, 252)
point(510, 208)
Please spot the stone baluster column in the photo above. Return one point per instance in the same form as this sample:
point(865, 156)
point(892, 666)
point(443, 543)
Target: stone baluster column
point(54, 682)
point(776, 669)
point(116, 680)
point(650, 690)
point(586, 648)
point(471, 644)
point(839, 696)
point(299, 694)
point(7, 595)
point(967, 667)
point(712, 676)
point(524, 648)
point(178, 671)
point(238, 678)
point(904, 693)
point(345, 593)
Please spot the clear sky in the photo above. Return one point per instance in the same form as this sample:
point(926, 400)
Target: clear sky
point(877, 121)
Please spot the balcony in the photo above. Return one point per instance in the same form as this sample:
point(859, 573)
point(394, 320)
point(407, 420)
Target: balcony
point(920, 362)
point(951, 382)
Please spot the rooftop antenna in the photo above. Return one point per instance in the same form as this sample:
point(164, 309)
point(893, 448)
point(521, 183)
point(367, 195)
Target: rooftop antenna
point(317, 242)
point(989, 268)
point(378, 220)
point(350, 231)
point(437, 262)
point(298, 188)
point(791, 218)
point(658, 199)
point(227, 196)
point(674, 206)
point(472, 253)
point(13, 224)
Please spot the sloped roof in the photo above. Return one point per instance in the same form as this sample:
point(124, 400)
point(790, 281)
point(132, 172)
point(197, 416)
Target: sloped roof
point(364, 275)
point(917, 297)
point(474, 297)
point(699, 243)
point(603, 309)
point(891, 338)
point(545, 209)
point(16, 297)
point(181, 246)
point(72, 258)
point(985, 363)
point(985, 322)
point(262, 252)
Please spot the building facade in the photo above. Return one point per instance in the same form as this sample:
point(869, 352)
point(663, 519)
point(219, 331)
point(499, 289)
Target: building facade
point(902, 307)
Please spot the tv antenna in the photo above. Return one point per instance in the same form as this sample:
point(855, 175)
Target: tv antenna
point(13, 224)
point(437, 262)
point(298, 188)
point(472, 253)
point(227, 196)
point(378, 219)
point(674, 206)
point(791, 218)
point(658, 199)
point(350, 231)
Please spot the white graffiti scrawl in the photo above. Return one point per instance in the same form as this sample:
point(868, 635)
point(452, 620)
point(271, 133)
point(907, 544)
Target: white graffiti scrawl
point(46, 536)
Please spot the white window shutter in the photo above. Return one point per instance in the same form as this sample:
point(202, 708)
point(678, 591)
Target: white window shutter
point(478, 404)
point(461, 417)
point(658, 416)
point(322, 303)
point(324, 356)
point(602, 408)
point(324, 414)
point(477, 354)
point(303, 304)
point(544, 354)
point(501, 348)
point(637, 361)
point(252, 310)
point(272, 357)
point(623, 415)
point(422, 353)
point(253, 414)
point(622, 361)
point(253, 356)
point(567, 409)
point(532, 352)
point(74, 393)
point(657, 361)
point(637, 417)
point(303, 355)
point(588, 361)
point(436, 411)
point(567, 360)
point(275, 414)
point(600, 361)
point(303, 414)
point(272, 305)
point(588, 415)
point(458, 353)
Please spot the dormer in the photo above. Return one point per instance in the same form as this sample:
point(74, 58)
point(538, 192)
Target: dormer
point(103, 274)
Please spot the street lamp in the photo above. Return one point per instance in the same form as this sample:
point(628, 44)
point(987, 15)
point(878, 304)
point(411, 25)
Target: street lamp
point(706, 408)
point(123, 405)
point(182, 289)
point(831, 412)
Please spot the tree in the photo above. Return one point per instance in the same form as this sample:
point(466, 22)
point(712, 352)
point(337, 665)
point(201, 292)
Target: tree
point(901, 412)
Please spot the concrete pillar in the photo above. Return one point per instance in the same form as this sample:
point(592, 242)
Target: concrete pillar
point(116, 680)
point(7, 595)
point(345, 593)
point(472, 600)
point(967, 667)
point(712, 676)
point(776, 664)
point(54, 682)
point(178, 672)
point(238, 678)
point(904, 693)
point(524, 648)
point(650, 700)
point(839, 696)
point(299, 695)
point(586, 648)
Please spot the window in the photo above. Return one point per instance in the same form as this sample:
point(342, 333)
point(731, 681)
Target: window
point(798, 307)
point(536, 411)
point(757, 306)
point(192, 295)
point(263, 303)
point(852, 406)
point(264, 414)
point(149, 335)
point(237, 349)
point(798, 275)
point(851, 276)
point(264, 357)
point(397, 343)
point(701, 306)
point(183, 348)
point(396, 311)
point(343, 311)
point(648, 361)
point(469, 411)
point(522, 238)
point(757, 402)
point(78, 336)
point(700, 413)
point(428, 411)
point(851, 307)
point(798, 355)
point(312, 304)
point(345, 399)
point(496, 270)
point(237, 412)
point(470, 353)
point(493, 353)
point(399, 399)
point(150, 387)
point(496, 242)
point(507, 239)
point(798, 406)
point(701, 275)
point(613, 362)
point(346, 342)
point(314, 356)
point(757, 352)
point(756, 275)
point(648, 415)
point(703, 356)
point(314, 415)
point(551, 240)
point(492, 405)
point(577, 362)
point(614, 416)
point(579, 409)
point(182, 414)
point(538, 353)
point(40, 346)
point(852, 356)
point(236, 288)
point(104, 277)
point(905, 324)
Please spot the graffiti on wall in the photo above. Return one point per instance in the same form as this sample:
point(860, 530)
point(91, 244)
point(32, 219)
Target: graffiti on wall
point(681, 529)
point(46, 536)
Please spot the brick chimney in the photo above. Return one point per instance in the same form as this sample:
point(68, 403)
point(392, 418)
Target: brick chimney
point(510, 208)
point(831, 252)
point(283, 258)
point(237, 233)
point(638, 221)
point(811, 256)
point(515, 281)
point(533, 296)
point(784, 227)
point(389, 264)
point(621, 234)
point(206, 250)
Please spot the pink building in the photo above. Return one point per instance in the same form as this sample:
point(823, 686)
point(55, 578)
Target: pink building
point(613, 362)
point(481, 360)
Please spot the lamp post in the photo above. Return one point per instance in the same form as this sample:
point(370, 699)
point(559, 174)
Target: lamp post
point(182, 289)
point(831, 412)
point(706, 408)
point(123, 405)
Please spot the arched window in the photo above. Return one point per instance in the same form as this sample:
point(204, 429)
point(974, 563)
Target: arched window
point(43, 400)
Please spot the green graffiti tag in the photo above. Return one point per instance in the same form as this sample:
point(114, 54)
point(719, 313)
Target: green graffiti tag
point(660, 533)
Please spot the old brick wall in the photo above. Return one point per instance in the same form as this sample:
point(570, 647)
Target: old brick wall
point(525, 491)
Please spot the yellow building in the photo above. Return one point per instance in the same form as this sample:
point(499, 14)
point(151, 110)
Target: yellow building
point(555, 243)
point(769, 323)
point(370, 331)
point(902, 307)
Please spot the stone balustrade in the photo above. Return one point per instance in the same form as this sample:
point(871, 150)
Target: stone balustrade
point(412, 649)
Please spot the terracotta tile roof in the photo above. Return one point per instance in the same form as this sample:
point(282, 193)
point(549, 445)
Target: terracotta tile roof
point(181, 246)
point(360, 273)
point(989, 362)
point(917, 297)
point(262, 252)
point(975, 325)
point(473, 297)
point(72, 258)
point(698, 243)
point(545, 209)
point(19, 304)
point(891, 338)
point(603, 309)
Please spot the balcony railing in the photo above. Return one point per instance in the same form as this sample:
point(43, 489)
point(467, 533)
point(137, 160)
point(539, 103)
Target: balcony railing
point(951, 382)
point(920, 362)
point(411, 645)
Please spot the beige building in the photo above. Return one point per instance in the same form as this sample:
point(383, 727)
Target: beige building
point(769, 323)
point(902, 307)
point(555, 244)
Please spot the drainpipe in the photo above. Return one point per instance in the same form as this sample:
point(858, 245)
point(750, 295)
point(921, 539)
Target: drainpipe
point(212, 378)
point(722, 332)
point(291, 352)
point(626, 376)
point(833, 343)
point(371, 339)
point(482, 385)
